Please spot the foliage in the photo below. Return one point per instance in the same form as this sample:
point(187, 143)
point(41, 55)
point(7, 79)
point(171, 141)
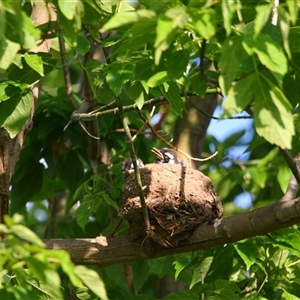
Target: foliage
point(148, 49)
point(30, 271)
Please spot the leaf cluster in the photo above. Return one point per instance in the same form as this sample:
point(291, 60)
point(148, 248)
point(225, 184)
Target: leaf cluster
point(29, 270)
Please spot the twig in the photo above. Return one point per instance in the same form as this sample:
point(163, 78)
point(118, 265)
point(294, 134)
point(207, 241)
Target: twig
point(66, 70)
point(291, 163)
point(148, 104)
point(136, 170)
point(140, 130)
point(136, 131)
point(86, 131)
point(189, 157)
point(113, 111)
point(293, 185)
point(216, 118)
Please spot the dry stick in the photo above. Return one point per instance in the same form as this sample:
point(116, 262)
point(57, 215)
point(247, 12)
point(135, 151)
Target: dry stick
point(189, 157)
point(136, 170)
point(66, 70)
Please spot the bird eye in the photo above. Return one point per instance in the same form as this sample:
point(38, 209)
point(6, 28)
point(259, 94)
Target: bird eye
point(169, 156)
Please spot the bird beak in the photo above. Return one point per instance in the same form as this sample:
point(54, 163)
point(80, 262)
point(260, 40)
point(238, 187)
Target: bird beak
point(157, 153)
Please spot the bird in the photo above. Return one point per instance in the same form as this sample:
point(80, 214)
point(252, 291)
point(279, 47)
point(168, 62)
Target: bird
point(166, 156)
point(128, 166)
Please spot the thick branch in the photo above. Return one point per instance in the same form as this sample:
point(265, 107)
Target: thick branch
point(106, 251)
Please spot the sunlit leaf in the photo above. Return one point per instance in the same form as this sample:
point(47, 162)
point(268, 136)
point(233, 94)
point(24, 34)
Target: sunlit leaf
point(68, 8)
point(174, 98)
point(92, 280)
point(124, 18)
point(157, 79)
point(35, 62)
point(119, 75)
point(16, 112)
point(26, 234)
point(269, 53)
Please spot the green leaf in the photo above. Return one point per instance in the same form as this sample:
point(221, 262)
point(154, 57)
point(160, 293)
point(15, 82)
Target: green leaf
point(174, 98)
point(137, 93)
point(28, 75)
point(35, 62)
point(108, 200)
point(240, 95)
point(286, 295)
point(283, 177)
point(81, 44)
point(292, 240)
point(82, 214)
point(294, 41)
point(15, 113)
point(204, 22)
point(92, 280)
point(198, 83)
point(157, 79)
point(177, 63)
point(258, 175)
point(70, 169)
point(10, 50)
point(202, 268)
point(248, 252)
point(125, 18)
point(293, 10)
point(140, 274)
point(263, 12)
point(68, 8)
point(26, 187)
point(166, 32)
point(228, 9)
point(10, 88)
point(273, 117)
point(269, 53)
point(119, 75)
point(232, 56)
point(26, 234)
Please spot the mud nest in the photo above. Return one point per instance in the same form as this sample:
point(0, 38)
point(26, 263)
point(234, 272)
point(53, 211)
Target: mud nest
point(178, 200)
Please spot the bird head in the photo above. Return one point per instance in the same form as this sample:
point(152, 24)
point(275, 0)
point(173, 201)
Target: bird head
point(165, 156)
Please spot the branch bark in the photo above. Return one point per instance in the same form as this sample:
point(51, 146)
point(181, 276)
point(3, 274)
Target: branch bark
point(106, 251)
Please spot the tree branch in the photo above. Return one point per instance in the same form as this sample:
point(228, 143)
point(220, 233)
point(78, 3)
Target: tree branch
point(292, 164)
point(136, 171)
point(76, 116)
point(106, 251)
point(113, 111)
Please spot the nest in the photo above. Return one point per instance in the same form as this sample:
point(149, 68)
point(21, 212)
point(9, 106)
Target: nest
point(178, 199)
